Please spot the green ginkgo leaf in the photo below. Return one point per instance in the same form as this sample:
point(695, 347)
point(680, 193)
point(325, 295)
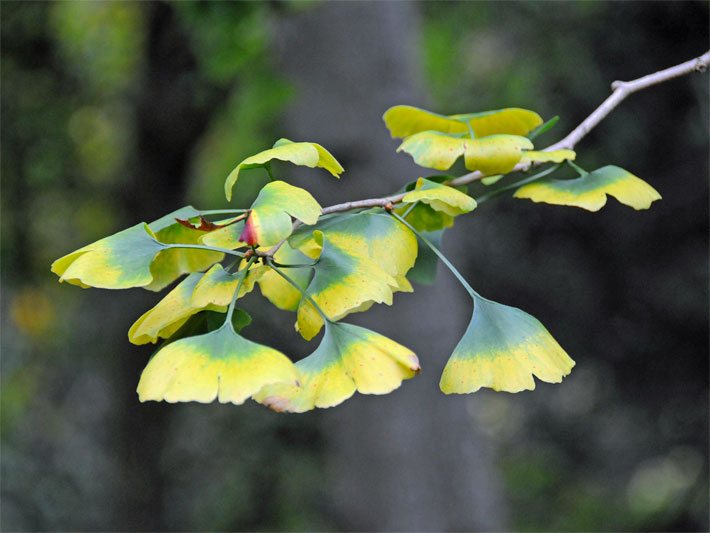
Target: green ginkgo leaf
point(495, 154)
point(348, 359)
point(299, 153)
point(276, 289)
point(344, 281)
point(440, 197)
point(590, 190)
point(403, 121)
point(502, 349)
point(169, 265)
point(211, 291)
point(269, 220)
point(120, 261)
point(553, 156)
point(220, 365)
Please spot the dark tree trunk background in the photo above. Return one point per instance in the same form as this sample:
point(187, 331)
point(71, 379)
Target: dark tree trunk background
point(412, 460)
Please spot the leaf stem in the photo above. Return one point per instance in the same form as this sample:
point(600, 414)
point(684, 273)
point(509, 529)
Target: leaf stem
point(440, 255)
point(579, 170)
point(409, 209)
point(242, 276)
point(208, 248)
point(310, 300)
point(223, 211)
point(308, 265)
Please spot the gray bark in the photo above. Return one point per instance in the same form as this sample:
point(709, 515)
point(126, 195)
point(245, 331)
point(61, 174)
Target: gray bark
point(412, 460)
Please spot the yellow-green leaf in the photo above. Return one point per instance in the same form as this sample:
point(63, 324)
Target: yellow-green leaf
point(403, 121)
point(119, 261)
point(590, 190)
point(276, 289)
point(220, 365)
point(299, 153)
point(431, 149)
point(348, 359)
point(554, 156)
point(169, 265)
point(502, 349)
point(495, 154)
point(344, 281)
point(269, 220)
point(211, 291)
point(226, 237)
point(440, 197)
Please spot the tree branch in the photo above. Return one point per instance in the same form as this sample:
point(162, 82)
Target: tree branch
point(620, 90)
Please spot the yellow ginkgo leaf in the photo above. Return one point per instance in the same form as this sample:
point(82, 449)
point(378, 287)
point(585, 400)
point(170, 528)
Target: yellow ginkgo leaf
point(299, 153)
point(440, 197)
point(220, 365)
point(348, 359)
point(553, 156)
point(590, 190)
point(431, 149)
point(342, 283)
point(403, 121)
point(212, 291)
point(119, 261)
point(502, 349)
point(495, 154)
point(269, 220)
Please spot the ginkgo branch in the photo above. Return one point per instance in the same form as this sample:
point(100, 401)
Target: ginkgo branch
point(620, 91)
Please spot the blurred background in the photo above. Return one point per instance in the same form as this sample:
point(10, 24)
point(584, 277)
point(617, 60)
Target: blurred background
point(116, 112)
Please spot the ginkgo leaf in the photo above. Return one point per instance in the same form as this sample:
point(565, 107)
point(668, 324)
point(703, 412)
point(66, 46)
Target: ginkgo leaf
point(502, 349)
point(343, 281)
point(492, 180)
point(119, 261)
point(495, 154)
point(590, 190)
point(372, 237)
point(440, 197)
point(554, 156)
point(220, 365)
point(211, 291)
point(227, 237)
point(431, 149)
point(299, 153)
point(276, 289)
point(269, 220)
point(403, 121)
point(348, 359)
point(217, 286)
point(169, 265)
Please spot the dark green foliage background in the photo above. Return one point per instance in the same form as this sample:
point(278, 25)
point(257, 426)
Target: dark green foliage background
point(119, 112)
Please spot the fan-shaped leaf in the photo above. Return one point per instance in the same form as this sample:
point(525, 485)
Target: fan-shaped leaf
point(403, 121)
point(502, 349)
point(344, 281)
point(220, 365)
point(299, 153)
point(495, 154)
point(590, 190)
point(371, 235)
point(431, 149)
point(119, 261)
point(348, 359)
point(270, 218)
point(440, 197)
